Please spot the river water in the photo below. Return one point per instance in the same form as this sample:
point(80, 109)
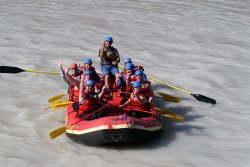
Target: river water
point(199, 46)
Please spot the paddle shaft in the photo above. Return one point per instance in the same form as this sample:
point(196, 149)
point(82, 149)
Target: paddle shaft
point(94, 112)
point(41, 72)
point(166, 84)
point(129, 109)
point(59, 131)
point(198, 97)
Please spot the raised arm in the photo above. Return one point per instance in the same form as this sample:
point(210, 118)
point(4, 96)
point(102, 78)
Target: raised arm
point(63, 76)
point(102, 50)
point(73, 81)
point(81, 91)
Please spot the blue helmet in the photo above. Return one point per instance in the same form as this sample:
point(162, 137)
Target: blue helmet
point(87, 61)
point(127, 60)
point(136, 84)
point(109, 39)
point(138, 72)
point(90, 83)
point(129, 66)
point(88, 72)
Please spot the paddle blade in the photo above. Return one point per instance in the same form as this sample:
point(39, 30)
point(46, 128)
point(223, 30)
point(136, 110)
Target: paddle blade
point(169, 98)
point(60, 104)
point(204, 98)
point(55, 98)
point(170, 114)
point(9, 69)
point(173, 116)
point(164, 111)
point(57, 132)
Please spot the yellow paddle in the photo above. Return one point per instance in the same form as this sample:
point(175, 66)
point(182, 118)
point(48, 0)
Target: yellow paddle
point(198, 97)
point(167, 97)
point(162, 96)
point(59, 104)
point(57, 132)
point(173, 116)
point(57, 97)
point(170, 114)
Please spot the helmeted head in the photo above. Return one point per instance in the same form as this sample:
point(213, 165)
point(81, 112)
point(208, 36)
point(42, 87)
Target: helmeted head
point(129, 66)
point(138, 75)
point(127, 60)
point(89, 86)
point(138, 72)
point(109, 39)
point(90, 83)
point(87, 63)
point(137, 84)
point(88, 60)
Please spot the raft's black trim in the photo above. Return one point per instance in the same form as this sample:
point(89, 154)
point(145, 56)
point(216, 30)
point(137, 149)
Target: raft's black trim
point(107, 136)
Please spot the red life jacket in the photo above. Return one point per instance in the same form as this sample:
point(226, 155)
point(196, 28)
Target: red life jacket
point(90, 103)
point(128, 89)
point(73, 94)
point(136, 104)
point(133, 78)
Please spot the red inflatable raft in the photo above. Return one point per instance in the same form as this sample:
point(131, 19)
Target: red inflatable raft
point(112, 125)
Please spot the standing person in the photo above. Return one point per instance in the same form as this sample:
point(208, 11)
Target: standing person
point(109, 61)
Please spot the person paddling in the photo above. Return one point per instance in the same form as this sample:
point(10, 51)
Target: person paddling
point(146, 87)
point(138, 99)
